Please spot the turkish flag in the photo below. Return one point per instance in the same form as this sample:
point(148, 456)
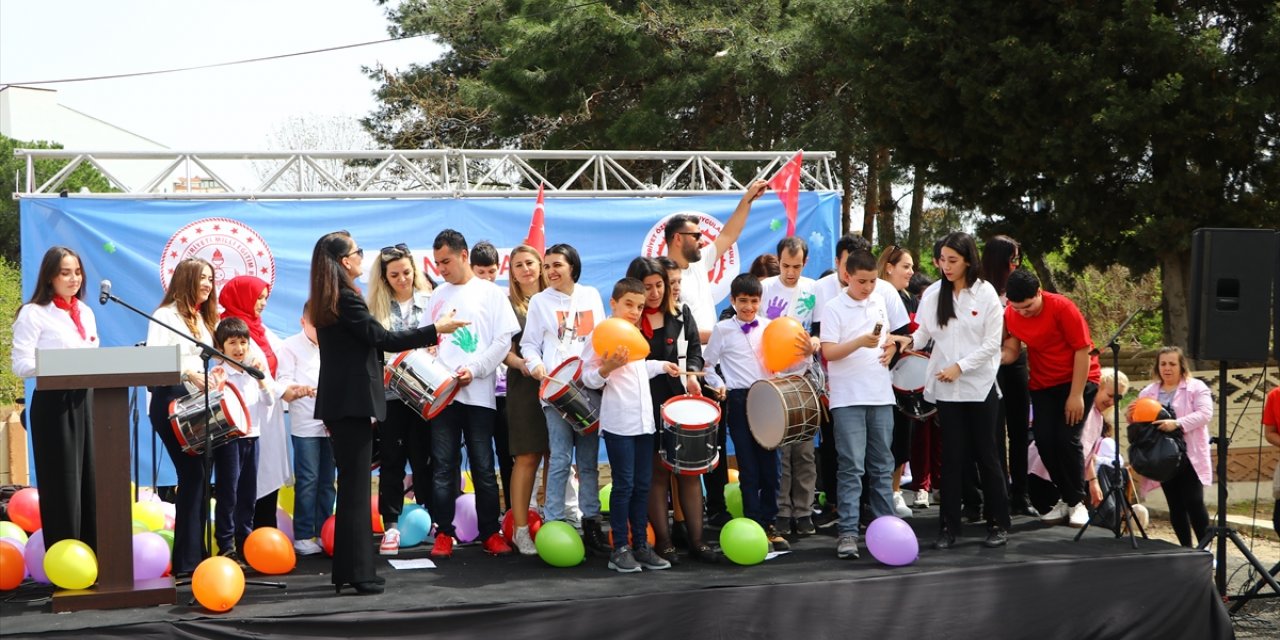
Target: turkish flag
point(537, 237)
point(786, 183)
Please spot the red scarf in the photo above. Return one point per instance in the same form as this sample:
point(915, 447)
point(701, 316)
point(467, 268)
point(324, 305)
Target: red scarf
point(71, 307)
point(239, 297)
point(645, 327)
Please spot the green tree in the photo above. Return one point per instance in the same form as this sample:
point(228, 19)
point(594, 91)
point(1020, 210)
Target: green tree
point(1108, 131)
point(13, 172)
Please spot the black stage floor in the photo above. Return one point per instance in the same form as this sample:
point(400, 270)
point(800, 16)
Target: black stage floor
point(1043, 585)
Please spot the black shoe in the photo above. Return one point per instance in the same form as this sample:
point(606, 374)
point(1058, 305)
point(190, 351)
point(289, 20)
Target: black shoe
point(804, 526)
point(1020, 506)
point(971, 514)
point(594, 538)
point(945, 540)
point(826, 519)
point(361, 588)
point(718, 520)
point(996, 537)
point(704, 553)
point(668, 553)
point(785, 526)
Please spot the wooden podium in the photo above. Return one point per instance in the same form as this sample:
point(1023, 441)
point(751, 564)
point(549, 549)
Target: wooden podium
point(110, 373)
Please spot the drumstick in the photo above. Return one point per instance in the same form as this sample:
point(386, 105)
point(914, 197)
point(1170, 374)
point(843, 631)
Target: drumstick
point(693, 373)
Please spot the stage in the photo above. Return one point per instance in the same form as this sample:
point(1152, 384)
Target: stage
point(1042, 585)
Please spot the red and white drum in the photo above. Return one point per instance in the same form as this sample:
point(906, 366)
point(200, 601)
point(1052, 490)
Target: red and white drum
point(564, 391)
point(228, 419)
point(908, 377)
point(783, 411)
point(421, 381)
point(688, 443)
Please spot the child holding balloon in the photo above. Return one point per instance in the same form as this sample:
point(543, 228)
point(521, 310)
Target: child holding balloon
point(623, 374)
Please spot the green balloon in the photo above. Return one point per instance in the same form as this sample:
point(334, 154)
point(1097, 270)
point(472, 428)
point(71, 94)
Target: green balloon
point(167, 534)
point(140, 526)
point(733, 499)
point(822, 498)
point(559, 544)
point(743, 541)
point(605, 492)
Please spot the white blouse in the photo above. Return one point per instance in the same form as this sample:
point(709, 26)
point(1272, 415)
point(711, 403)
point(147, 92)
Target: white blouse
point(44, 326)
point(158, 336)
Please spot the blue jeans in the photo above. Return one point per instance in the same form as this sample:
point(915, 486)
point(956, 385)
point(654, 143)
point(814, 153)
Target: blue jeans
point(863, 438)
point(313, 492)
point(631, 462)
point(236, 488)
point(474, 426)
point(757, 466)
point(564, 443)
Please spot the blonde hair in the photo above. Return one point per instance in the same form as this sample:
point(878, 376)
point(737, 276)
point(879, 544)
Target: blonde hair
point(1108, 378)
point(519, 301)
point(380, 290)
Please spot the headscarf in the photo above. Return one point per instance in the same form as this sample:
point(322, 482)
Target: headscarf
point(238, 297)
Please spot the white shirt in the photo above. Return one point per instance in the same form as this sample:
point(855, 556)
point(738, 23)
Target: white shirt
point(798, 302)
point(626, 408)
point(829, 288)
point(257, 401)
point(857, 379)
point(299, 363)
point(740, 355)
point(695, 287)
point(44, 326)
point(481, 345)
point(971, 339)
point(549, 338)
point(158, 336)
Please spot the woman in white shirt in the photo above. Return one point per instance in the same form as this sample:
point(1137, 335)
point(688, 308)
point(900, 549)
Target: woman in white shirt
point(190, 305)
point(963, 316)
point(61, 420)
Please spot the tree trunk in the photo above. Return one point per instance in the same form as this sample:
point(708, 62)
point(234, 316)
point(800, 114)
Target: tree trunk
point(887, 218)
point(1047, 283)
point(1175, 283)
point(871, 204)
point(917, 212)
point(845, 166)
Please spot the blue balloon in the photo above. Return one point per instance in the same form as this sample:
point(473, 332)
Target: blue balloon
point(414, 525)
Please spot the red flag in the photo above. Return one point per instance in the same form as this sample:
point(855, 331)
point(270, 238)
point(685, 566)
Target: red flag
point(786, 183)
point(537, 237)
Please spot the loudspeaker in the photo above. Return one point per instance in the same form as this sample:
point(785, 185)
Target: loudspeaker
point(1232, 271)
point(1275, 300)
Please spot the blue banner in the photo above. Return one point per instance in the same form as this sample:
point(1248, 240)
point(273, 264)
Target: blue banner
point(136, 243)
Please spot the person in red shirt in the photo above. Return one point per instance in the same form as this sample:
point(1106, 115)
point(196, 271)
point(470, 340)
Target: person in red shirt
point(1271, 431)
point(1063, 381)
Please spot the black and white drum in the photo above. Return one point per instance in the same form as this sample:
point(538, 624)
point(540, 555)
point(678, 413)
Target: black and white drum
point(228, 419)
point(908, 378)
point(421, 381)
point(688, 443)
point(563, 390)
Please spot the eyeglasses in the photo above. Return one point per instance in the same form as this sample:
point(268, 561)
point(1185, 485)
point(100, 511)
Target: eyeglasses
point(357, 252)
point(396, 252)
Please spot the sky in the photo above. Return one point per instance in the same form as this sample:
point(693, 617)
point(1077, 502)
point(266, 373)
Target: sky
point(229, 108)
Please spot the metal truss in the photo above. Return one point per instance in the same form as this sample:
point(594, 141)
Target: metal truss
point(440, 173)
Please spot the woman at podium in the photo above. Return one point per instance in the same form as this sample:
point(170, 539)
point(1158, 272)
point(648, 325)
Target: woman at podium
point(61, 421)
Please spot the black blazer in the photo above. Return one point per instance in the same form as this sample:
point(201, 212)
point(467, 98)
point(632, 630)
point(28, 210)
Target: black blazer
point(351, 360)
point(664, 386)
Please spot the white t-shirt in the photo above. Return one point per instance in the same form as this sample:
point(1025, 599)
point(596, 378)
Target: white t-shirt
point(257, 401)
point(626, 404)
point(829, 288)
point(695, 288)
point(300, 364)
point(858, 378)
point(798, 302)
point(481, 345)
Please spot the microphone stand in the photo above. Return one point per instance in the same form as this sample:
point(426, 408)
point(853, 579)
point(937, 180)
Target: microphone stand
point(207, 353)
point(1124, 508)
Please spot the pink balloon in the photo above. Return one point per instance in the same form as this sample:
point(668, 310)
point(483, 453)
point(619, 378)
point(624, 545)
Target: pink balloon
point(34, 558)
point(150, 555)
point(891, 541)
point(465, 523)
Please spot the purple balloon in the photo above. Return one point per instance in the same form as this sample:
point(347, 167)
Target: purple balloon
point(284, 522)
point(35, 558)
point(465, 524)
point(150, 555)
point(891, 541)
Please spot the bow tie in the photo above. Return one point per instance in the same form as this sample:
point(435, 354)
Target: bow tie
point(748, 326)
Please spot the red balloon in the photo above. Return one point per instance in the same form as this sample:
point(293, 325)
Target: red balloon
point(24, 509)
point(12, 567)
point(326, 535)
point(509, 525)
point(375, 518)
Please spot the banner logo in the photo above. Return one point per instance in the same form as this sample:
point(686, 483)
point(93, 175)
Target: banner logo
point(232, 247)
point(721, 273)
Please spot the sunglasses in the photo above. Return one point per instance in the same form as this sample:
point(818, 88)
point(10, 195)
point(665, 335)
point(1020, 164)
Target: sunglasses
point(357, 252)
point(396, 252)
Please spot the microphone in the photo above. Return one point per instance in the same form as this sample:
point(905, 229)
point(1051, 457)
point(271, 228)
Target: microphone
point(104, 292)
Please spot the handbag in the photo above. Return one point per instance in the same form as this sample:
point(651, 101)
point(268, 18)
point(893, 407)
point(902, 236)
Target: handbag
point(1154, 453)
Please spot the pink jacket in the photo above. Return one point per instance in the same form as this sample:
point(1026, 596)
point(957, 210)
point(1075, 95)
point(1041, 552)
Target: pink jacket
point(1090, 438)
point(1194, 405)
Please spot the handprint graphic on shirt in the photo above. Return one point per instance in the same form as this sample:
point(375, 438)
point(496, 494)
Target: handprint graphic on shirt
point(776, 309)
point(466, 340)
point(804, 306)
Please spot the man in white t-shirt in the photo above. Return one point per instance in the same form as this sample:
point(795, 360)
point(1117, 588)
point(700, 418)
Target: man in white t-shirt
point(473, 352)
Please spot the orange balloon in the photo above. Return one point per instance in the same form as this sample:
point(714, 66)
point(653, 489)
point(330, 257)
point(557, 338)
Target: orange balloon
point(268, 550)
point(616, 332)
point(1145, 410)
point(218, 583)
point(12, 568)
point(779, 344)
point(733, 475)
point(648, 534)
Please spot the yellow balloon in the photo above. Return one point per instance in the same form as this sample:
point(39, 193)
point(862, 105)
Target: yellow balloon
point(286, 499)
point(616, 332)
point(779, 344)
point(150, 514)
point(71, 564)
point(467, 485)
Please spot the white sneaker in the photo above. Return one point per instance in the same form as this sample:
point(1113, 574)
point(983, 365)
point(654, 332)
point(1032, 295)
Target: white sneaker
point(900, 505)
point(922, 499)
point(390, 542)
point(1056, 515)
point(307, 547)
point(524, 542)
point(1078, 516)
point(1144, 517)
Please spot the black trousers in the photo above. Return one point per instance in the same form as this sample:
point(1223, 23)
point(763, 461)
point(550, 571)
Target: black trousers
point(1014, 421)
point(403, 436)
point(1059, 442)
point(717, 478)
point(1187, 513)
point(502, 447)
point(969, 437)
point(264, 510)
point(62, 446)
point(826, 459)
point(193, 478)
point(352, 440)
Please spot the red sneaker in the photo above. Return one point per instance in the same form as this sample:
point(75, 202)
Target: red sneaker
point(443, 548)
point(497, 546)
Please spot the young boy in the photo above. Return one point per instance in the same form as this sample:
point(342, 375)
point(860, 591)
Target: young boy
point(485, 264)
point(735, 345)
point(628, 435)
point(313, 466)
point(854, 341)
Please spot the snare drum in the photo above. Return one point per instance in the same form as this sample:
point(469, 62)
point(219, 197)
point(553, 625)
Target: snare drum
point(564, 391)
point(229, 419)
point(908, 379)
point(688, 443)
point(421, 381)
point(783, 411)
